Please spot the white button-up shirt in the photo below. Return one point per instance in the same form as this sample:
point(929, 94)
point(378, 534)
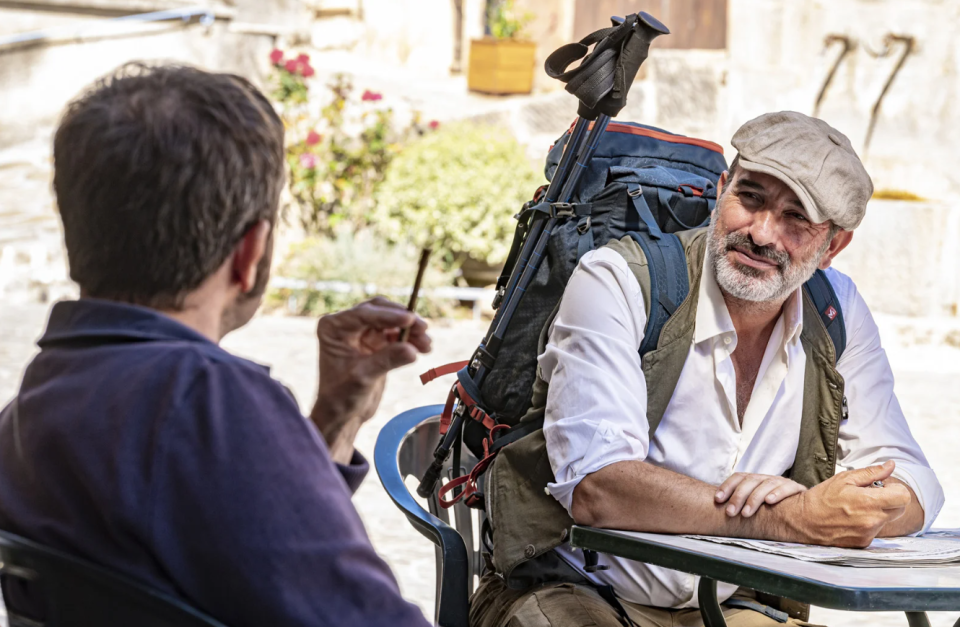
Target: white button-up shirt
point(597, 399)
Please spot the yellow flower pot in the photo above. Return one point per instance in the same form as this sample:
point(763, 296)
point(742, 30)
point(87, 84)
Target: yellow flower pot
point(501, 66)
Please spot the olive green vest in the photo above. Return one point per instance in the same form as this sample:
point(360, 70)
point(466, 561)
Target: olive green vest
point(527, 522)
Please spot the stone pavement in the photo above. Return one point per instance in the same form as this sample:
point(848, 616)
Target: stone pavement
point(927, 367)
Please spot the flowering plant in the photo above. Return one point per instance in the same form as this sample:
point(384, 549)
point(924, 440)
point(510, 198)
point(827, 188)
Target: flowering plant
point(290, 75)
point(335, 160)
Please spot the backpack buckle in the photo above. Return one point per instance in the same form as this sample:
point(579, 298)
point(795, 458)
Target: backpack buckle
point(498, 298)
point(584, 225)
point(562, 210)
point(633, 192)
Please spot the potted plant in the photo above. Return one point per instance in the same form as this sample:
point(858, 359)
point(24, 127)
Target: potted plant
point(503, 62)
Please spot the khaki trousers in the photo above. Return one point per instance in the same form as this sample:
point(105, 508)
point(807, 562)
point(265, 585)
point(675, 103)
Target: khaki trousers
point(573, 605)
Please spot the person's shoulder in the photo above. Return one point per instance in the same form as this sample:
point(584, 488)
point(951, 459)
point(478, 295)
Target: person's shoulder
point(848, 296)
point(220, 376)
point(861, 330)
point(608, 260)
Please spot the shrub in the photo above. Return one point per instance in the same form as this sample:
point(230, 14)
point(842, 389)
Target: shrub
point(505, 22)
point(456, 190)
point(360, 259)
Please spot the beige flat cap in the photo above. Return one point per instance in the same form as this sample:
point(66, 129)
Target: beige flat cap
point(814, 159)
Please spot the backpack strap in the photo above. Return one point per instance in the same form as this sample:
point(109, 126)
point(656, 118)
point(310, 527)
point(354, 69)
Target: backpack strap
point(827, 304)
point(669, 282)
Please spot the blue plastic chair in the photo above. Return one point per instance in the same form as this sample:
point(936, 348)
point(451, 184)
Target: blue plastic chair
point(405, 449)
point(75, 593)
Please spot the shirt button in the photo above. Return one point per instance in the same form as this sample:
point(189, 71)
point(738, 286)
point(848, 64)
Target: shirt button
point(726, 339)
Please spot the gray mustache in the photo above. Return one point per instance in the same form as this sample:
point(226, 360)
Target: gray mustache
point(743, 242)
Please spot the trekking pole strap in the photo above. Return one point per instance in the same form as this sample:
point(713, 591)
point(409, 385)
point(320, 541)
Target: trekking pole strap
point(604, 76)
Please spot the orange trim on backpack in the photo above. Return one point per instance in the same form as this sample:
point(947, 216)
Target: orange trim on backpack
point(617, 127)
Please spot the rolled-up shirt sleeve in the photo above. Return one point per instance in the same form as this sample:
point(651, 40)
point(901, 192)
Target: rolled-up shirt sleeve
point(597, 399)
point(354, 473)
point(876, 429)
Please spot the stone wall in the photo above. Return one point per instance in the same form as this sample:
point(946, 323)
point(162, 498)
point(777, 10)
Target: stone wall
point(37, 79)
point(778, 60)
point(905, 258)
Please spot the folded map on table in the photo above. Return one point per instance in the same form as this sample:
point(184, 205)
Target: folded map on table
point(937, 547)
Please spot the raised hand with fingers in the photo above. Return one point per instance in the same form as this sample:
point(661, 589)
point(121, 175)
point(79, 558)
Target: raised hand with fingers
point(358, 347)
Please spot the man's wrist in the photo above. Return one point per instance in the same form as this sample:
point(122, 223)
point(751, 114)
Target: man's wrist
point(783, 522)
point(338, 431)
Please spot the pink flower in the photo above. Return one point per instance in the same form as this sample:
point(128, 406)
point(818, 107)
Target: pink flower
point(307, 71)
point(370, 96)
point(276, 56)
point(303, 58)
point(313, 138)
point(308, 160)
point(290, 66)
point(434, 125)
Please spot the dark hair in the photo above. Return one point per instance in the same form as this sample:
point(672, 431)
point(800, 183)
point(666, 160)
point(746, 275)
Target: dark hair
point(159, 172)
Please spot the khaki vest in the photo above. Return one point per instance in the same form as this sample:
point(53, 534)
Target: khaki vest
point(527, 522)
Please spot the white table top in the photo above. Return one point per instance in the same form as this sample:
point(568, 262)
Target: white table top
point(827, 585)
point(847, 576)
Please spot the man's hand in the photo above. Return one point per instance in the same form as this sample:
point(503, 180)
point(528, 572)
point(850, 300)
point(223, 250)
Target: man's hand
point(746, 492)
point(358, 347)
point(846, 511)
point(842, 511)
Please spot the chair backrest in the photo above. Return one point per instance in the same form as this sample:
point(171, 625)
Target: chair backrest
point(70, 592)
point(405, 449)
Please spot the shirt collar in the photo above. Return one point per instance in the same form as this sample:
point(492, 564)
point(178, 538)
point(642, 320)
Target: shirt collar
point(713, 317)
point(104, 320)
point(793, 317)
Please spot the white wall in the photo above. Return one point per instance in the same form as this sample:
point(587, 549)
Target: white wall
point(905, 258)
point(778, 61)
point(37, 81)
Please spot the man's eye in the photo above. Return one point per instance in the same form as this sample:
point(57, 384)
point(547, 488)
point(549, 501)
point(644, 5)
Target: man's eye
point(751, 198)
point(798, 216)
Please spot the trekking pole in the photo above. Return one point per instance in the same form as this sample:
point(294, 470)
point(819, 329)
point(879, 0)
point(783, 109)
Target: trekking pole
point(600, 83)
point(635, 48)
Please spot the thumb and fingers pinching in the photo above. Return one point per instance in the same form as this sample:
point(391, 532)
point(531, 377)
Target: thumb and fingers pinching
point(865, 477)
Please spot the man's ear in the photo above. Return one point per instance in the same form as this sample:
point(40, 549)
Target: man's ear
point(724, 179)
point(840, 241)
point(248, 253)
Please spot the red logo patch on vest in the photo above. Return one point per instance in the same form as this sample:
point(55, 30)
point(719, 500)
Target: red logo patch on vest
point(831, 312)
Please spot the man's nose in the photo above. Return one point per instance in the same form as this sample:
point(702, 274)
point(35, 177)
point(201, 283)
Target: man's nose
point(763, 228)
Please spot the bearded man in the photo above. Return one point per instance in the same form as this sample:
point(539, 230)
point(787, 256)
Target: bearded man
point(759, 416)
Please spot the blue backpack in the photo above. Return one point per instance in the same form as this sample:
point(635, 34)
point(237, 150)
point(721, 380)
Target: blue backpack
point(643, 182)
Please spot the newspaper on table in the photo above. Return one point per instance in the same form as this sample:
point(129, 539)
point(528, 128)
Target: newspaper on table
point(937, 547)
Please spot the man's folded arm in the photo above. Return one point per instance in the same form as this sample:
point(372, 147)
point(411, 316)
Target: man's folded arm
point(249, 514)
point(597, 436)
point(637, 496)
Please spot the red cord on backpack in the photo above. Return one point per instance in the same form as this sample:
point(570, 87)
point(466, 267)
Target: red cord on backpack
point(470, 493)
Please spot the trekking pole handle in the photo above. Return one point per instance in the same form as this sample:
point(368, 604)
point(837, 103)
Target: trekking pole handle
point(635, 50)
point(604, 75)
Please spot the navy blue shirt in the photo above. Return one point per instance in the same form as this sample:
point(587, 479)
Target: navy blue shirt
point(138, 444)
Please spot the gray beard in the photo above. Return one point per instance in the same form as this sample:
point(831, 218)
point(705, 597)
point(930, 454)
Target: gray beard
point(749, 284)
